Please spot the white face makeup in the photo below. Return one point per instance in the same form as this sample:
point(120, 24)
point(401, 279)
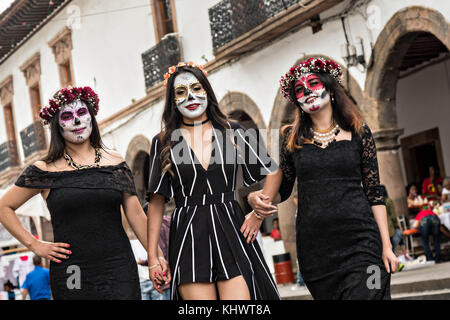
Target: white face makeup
point(190, 96)
point(311, 93)
point(75, 122)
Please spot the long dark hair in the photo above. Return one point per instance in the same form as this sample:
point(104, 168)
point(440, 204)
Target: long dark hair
point(345, 113)
point(172, 118)
point(58, 143)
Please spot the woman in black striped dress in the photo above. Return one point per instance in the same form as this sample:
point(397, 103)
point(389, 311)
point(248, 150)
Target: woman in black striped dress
point(195, 159)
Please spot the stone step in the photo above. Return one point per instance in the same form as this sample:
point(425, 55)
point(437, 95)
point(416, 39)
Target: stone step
point(424, 295)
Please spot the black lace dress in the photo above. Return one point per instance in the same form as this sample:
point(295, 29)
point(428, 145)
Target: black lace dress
point(85, 213)
point(338, 241)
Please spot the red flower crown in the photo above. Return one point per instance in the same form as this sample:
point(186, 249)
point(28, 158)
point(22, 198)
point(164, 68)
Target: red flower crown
point(312, 65)
point(172, 69)
point(65, 96)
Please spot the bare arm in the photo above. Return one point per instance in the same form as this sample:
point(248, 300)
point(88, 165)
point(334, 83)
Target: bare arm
point(13, 199)
point(390, 260)
point(136, 217)
point(24, 294)
point(158, 273)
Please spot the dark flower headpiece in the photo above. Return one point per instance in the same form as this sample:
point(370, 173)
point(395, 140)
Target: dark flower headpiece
point(312, 65)
point(65, 96)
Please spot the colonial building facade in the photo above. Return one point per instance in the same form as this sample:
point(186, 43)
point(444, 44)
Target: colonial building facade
point(395, 56)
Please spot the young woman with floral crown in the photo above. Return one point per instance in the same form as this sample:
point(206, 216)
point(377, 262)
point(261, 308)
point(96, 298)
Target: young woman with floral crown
point(343, 243)
point(194, 159)
point(84, 185)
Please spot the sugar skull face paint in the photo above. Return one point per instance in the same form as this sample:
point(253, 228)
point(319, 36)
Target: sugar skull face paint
point(190, 96)
point(75, 122)
point(311, 94)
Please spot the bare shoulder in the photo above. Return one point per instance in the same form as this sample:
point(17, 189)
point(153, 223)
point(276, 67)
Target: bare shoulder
point(40, 164)
point(112, 157)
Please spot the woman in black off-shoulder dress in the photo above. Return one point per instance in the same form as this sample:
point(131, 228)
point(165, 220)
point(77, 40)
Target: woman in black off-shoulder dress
point(85, 186)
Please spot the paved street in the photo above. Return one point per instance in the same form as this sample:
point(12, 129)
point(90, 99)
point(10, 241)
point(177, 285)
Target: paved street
point(430, 281)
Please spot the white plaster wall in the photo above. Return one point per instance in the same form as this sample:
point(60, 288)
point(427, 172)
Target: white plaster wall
point(423, 103)
point(106, 55)
point(107, 50)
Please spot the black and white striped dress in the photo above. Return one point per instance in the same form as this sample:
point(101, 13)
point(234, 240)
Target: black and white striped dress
point(206, 244)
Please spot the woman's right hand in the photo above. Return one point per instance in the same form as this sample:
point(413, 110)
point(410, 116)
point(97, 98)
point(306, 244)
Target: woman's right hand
point(53, 251)
point(257, 200)
point(156, 273)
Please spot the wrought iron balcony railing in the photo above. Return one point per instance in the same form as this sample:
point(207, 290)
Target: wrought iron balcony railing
point(33, 139)
point(158, 59)
point(229, 19)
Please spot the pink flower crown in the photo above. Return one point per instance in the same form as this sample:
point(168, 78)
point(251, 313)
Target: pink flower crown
point(312, 65)
point(172, 69)
point(65, 96)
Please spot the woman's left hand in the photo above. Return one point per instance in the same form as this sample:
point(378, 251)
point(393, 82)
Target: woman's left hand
point(250, 227)
point(165, 269)
point(390, 260)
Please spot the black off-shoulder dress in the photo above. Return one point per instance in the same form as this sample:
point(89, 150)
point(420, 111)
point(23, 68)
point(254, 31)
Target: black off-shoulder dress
point(85, 211)
point(338, 240)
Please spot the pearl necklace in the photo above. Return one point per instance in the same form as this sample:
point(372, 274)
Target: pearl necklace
point(321, 137)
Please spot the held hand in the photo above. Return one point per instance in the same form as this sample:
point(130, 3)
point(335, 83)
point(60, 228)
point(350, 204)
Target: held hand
point(166, 270)
point(257, 200)
point(50, 250)
point(250, 227)
point(156, 274)
point(390, 260)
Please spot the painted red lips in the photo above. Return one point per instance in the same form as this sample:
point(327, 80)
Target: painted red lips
point(192, 106)
point(78, 131)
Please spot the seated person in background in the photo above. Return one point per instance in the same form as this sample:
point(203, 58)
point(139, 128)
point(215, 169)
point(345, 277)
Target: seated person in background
point(414, 198)
point(430, 185)
point(427, 222)
point(275, 234)
point(446, 191)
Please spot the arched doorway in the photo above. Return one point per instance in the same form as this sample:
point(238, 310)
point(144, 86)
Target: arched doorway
point(138, 158)
point(412, 38)
point(240, 107)
point(283, 112)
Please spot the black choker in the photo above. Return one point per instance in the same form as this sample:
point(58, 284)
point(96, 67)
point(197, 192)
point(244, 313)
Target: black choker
point(196, 123)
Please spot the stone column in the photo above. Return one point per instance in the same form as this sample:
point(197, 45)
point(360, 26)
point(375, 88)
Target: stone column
point(391, 174)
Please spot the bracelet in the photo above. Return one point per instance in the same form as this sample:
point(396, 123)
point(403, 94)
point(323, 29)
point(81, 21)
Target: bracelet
point(257, 215)
point(153, 266)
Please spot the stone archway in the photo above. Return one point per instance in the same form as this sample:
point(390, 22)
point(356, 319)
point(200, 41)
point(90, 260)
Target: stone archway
point(379, 103)
point(281, 108)
point(137, 153)
point(237, 101)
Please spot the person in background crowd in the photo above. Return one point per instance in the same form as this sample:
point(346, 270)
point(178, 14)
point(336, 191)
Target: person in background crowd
point(275, 234)
point(430, 185)
point(9, 288)
point(413, 196)
point(37, 282)
point(147, 290)
point(446, 191)
point(427, 222)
